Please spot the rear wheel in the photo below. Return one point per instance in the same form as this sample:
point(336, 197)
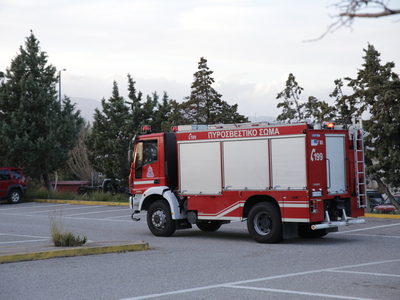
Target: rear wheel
point(14, 196)
point(159, 219)
point(208, 225)
point(264, 223)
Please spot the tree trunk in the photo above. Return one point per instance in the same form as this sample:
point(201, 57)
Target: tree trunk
point(387, 192)
point(47, 181)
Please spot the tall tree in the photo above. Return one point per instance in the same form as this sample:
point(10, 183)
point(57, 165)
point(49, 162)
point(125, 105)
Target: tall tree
point(295, 109)
point(108, 142)
point(377, 91)
point(160, 122)
point(204, 105)
point(347, 107)
point(35, 132)
point(136, 106)
point(292, 108)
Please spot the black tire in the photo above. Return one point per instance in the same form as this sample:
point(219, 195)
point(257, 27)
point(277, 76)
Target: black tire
point(14, 196)
point(208, 225)
point(306, 232)
point(159, 219)
point(264, 223)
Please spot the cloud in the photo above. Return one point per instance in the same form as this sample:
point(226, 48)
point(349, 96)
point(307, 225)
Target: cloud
point(251, 46)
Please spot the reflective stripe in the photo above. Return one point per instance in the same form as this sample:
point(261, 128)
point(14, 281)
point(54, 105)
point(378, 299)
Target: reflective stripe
point(295, 220)
point(143, 182)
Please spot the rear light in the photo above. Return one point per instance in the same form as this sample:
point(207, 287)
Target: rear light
point(314, 205)
point(146, 129)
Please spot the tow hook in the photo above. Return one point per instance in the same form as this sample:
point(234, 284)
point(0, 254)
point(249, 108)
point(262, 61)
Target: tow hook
point(135, 219)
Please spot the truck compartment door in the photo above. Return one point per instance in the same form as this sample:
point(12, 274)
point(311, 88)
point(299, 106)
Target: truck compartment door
point(288, 159)
point(246, 165)
point(335, 163)
point(200, 168)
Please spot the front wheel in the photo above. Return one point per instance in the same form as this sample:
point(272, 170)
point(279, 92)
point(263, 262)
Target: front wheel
point(208, 225)
point(264, 223)
point(159, 219)
point(14, 197)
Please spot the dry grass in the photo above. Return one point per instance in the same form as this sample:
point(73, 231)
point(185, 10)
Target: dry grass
point(62, 237)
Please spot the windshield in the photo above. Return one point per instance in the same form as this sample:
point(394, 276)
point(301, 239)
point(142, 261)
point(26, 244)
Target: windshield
point(397, 198)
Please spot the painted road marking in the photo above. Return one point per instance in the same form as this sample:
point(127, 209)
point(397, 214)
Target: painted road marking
point(239, 284)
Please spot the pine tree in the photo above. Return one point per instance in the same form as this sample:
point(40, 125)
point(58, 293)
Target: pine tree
point(108, 142)
point(294, 109)
point(204, 105)
point(160, 123)
point(36, 133)
point(377, 91)
point(136, 106)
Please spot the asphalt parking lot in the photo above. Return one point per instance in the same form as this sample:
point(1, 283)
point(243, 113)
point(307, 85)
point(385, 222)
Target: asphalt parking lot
point(358, 262)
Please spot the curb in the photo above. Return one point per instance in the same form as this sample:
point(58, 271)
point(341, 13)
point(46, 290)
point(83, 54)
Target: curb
point(382, 216)
point(76, 251)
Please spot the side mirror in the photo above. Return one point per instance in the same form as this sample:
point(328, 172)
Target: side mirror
point(130, 158)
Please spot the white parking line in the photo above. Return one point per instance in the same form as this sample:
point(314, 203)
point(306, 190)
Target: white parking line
point(95, 212)
point(38, 238)
point(22, 235)
point(298, 292)
point(26, 241)
point(377, 235)
point(364, 229)
point(238, 284)
point(365, 273)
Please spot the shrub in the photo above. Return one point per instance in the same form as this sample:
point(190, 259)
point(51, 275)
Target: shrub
point(64, 238)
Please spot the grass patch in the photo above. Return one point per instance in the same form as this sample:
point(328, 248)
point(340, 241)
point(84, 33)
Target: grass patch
point(62, 237)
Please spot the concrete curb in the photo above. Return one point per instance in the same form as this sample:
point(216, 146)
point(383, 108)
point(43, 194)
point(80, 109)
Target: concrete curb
point(90, 249)
point(382, 216)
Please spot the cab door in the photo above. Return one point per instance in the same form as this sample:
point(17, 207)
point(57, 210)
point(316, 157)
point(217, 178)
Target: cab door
point(5, 181)
point(147, 163)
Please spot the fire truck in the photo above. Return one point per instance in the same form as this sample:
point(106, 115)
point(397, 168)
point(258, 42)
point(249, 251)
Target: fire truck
point(284, 180)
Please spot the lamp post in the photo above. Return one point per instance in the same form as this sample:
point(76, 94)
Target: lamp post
point(59, 85)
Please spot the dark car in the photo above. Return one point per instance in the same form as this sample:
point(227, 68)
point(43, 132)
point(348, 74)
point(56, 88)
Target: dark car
point(12, 184)
point(387, 206)
point(374, 198)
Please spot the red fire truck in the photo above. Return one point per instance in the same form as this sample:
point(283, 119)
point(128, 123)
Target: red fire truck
point(285, 180)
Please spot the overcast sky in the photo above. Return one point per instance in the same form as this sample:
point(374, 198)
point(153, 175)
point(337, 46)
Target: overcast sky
point(251, 45)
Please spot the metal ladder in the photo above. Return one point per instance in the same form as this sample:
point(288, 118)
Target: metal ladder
point(358, 144)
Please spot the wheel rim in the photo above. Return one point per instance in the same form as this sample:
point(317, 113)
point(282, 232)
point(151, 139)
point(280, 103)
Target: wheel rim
point(262, 223)
point(159, 219)
point(15, 197)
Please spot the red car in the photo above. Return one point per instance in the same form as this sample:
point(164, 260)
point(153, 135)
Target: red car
point(387, 206)
point(12, 184)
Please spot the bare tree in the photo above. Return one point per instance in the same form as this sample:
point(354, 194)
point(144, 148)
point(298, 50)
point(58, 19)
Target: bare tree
point(351, 9)
point(79, 162)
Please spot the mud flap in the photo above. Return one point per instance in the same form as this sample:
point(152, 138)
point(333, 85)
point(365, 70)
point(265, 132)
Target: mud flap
point(182, 224)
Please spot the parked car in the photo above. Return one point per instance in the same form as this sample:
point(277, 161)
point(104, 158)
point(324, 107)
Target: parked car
point(387, 206)
point(374, 198)
point(12, 184)
point(108, 186)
